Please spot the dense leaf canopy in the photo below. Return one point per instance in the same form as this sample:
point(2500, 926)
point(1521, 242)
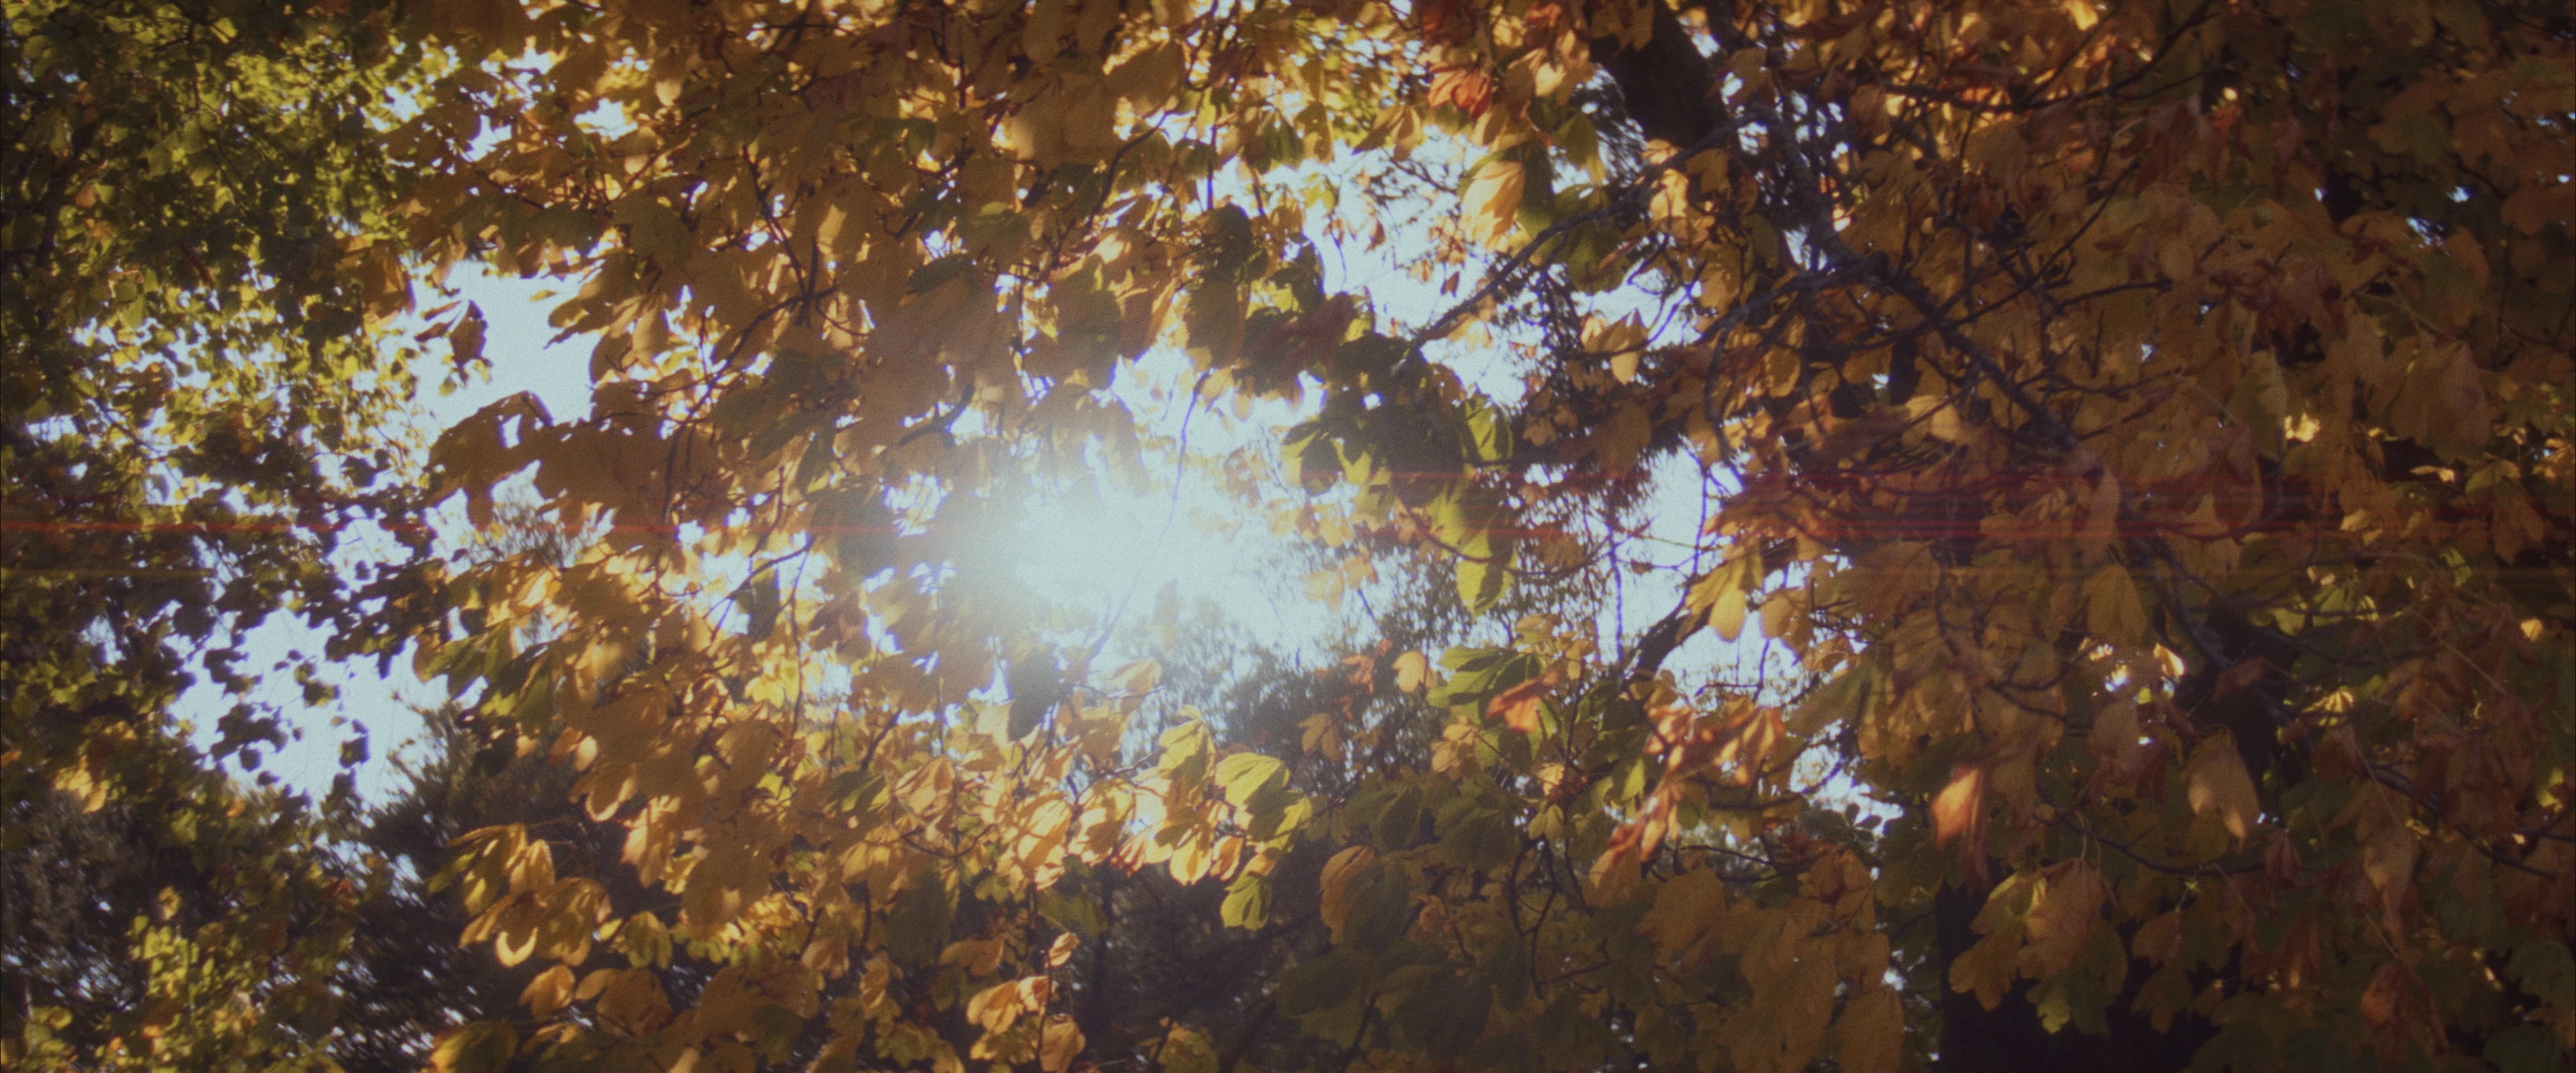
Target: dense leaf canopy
point(2143, 427)
point(193, 390)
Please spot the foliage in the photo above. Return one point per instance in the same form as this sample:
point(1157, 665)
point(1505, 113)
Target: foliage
point(2147, 424)
point(194, 387)
point(194, 394)
point(192, 926)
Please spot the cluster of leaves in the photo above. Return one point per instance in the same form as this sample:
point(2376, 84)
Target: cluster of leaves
point(194, 396)
point(2147, 425)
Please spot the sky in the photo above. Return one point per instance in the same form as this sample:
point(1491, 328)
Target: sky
point(1114, 553)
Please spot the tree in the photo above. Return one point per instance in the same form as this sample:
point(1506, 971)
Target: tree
point(194, 401)
point(2147, 423)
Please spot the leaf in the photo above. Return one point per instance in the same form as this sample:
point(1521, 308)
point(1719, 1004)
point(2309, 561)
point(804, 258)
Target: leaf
point(2111, 609)
point(1845, 699)
point(1336, 882)
point(1986, 969)
point(1149, 78)
point(1187, 1050)
point(1621, 442)
point(1726, 616)
point(2114, 734)
point(1247, 902)
point(1520, 707)
point(474, 1047)
point(1244, 774)
point(1410, 672)
point(2159, 940)
point(1871, 1030)
point(1959, 809)
point(465, 339)
point(1493, 201)
point(2063, 921)
point(550, 991)
point(1059, 1045)
point(1721, 593)
point(2524, 1049)
point(1037, 686)
point(2218, 784)
point(1621, 342)
point(1442, 1012)
point(2388, 858)
point(1320, 984)
point(1481, 581)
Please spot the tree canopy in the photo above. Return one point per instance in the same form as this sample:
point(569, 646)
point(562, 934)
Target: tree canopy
point(2140, 429)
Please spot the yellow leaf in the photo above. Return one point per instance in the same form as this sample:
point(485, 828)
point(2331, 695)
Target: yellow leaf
point(995, 1007)
point(633, 998)
point(1187, 1050)
point(1493, 206)
point(1481, 579)
point(2068, 913)
point(1727, 617)
point(980, 957)
point(1090, 124)
point(550, 991)
point(2219, 784)
point(1336, 884)
point(1518, 707)
point(1986, 969)
point(828, 955)
point(1148, 78)
point(1621, 341)
point(1191, 860)
point(1410, 669)
point(1062, 949)
point(873, 981)
point(1059, 1045)
point(1871, 1032)
point(2111, 610)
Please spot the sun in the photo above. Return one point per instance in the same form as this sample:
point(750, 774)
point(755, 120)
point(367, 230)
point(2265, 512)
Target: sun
point(1097, 548)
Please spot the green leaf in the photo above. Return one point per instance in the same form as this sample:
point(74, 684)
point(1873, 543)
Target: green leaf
point(2524, 1049)
point(1243, 775)
point(1443, 1013)
point(1846, 700)
point(1247, 902)
point(474, 1047)
point(1322, 983)
point(1481, 581)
